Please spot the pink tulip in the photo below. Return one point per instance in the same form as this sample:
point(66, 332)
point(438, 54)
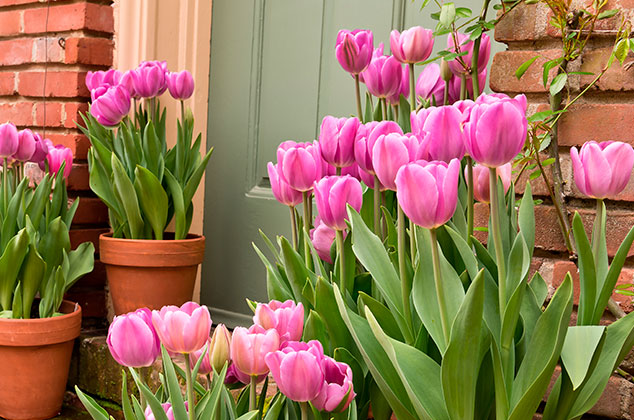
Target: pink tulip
point(336, 140)
point(366, 138)
point(299, 164)
point(149, 79)
point(455, 82)
point(481, 180)
point(26, 145)
point(390, 153)
point(9, 140)
point(110, 107)
point(132, 339)
point(182, 330)
point(368, 179)
point(249, 346)
point(205, 365)
point(403, 89)
point(102, 78)
point(127, 82)
point(167, 407)
point(428, 191)
point(445, 141)
point(220, 348)
point(383, 76)
point(322, 238)
point(58, 155)
point(234, 376)
point(41, 150)
point(465, 44)
point(285, 317)
point(495, 132)
point(333, 194)
point(430, 86)
point(283, 192)
point(602, 169)
point(337, 392)
point(413, 45)
point(354, 49)
point(180, 84)
point(297, 371)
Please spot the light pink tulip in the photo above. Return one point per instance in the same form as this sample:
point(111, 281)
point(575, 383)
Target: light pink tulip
point(26, 145)
point(249, 346)
point(445, 139)
point(465, 44)
point(383, 76)
point(180, 84)
point(428, 191)
point(366, 138)
point(354, 49)
point(333, 194)
point(205, 365)
point(58, 155)
point(322, 238)
point(182, 330)
point(481, 189)
point(9, 140)
point(413, 45)
point(128, 84)
point(337, 391)
point(390, 153)
point(132, 340)
point(299, 164)
point(602, 169)
point(167, 407)
point(283, 192)
point(336, 140)
point(430, 86)
point(285, 317)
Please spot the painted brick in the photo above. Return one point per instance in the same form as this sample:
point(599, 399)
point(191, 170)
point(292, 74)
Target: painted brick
point(78, 178)
point(7, 83)
point(505, 64)
point(91, 210)
point(19, 113)
point(70, 17)
point(64, 84)
point(10, 22)
point(16, 51)
point(93, 51)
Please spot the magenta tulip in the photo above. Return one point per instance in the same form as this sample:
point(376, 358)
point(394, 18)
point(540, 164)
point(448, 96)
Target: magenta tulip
point(366, 138)
point(337, 392)
point(403, 89)
point(455, 82)
point(322, 238)
point(392, 151)
point(26, 145)
point(283, 192)
point(250, 346)
point(428, 191)
point(110, 108)
point(430, 87)
point(495, 132)
point(333, 194)
point(285, 317)
point(336, 140)
point(354, 49)
point(127, 82)
point(41, 150)
point(9, 140)
point(465, 44)
point(383, 76)
point(297, 371)
point(413, 45)
point(602, 169)
point(182, 330)
point(149, 79)
point(57, 156)
point(102, 78)
point(481, 189)
point(132, 339)
point(205, 365)
point(299, 164)
point(445, 141)
point(180, 84)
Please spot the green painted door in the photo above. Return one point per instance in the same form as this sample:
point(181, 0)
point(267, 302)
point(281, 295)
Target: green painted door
point(274, 76)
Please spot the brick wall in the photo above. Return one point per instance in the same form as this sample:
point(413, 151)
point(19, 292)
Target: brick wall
point(78, 39)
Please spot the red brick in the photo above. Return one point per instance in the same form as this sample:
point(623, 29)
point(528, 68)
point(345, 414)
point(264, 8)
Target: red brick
point(93, 51)
point(91, 211)
point(616, 78)
point(19, 113)
point(16, 51)
point(72, 112)
point(505, 64)
point(95, 280)
point(70, 17)
point(10, 22)
point(604, 27)
point(5, 3)
point(53, 114)
point(78, 178)
point(78, 236)
point(92, 302)
point(608, 122)
point(64, 84)
point(78, 143)
point(55, 51)
point(7, 83)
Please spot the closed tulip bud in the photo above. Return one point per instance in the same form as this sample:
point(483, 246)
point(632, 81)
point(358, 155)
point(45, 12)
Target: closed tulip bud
point(481, 191)
point(283, 192)
point(110, 107)
point(354, 49)
point(297, 371)
point(132, 339)
point(495, 132)
point(26, 145)
point(445, 72)
point(41, 150)
point(220, 348)
point(9, 140)
point(285, 317)
point(336, 140)
point(366, 138)
point(249, 346)
point(338, 391)
point(445, 141)
point(322, 238)
point(149, 79)
point(95, 79)
point(602, 169)
point(299, 164)
point(205, 365)
point(413, 45)
point(403, 89)
point(430, 86)
point(428, 191)
point(182, 330)
point(383, 76)
point(465, 44)
point(333, 194)
point(390, 153)
point(57, 156)
point(180, 84)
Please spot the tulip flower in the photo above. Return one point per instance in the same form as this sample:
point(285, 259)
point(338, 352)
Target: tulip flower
point(234, 376)
point(127, 82)
point(455, 85)
point(149, 79)
point(58, 155)
point(383, 76)
point(9, 140)
point(297, 371)
point(220, 348)
point(481, 189)
point(430, 86)
point(110, 108)
point(132, 339)
point(167, 407)
point(428, 191)
point(495, 132)
point(413, 45)
point(322, 238)
point(180, 84)
point(602, 169)
point(336, 140)
point(392, 151)
point(299, 164)
point(26, 145)
point(333, 194)
point(95, 79)
point(465, 44)
point(205, 365)
point(282, 192)
point(354, 49)
point(403, 89)
point(182, 330)
point(249, 346)
point(445, 141)
point(287, 318)
point(366, 138)
point(337, 392)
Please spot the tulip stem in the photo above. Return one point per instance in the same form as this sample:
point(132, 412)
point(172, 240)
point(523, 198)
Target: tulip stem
point(293, 227)
point(338, 171)
point(5, 186)
point(412, 86)
point(377, 206)
point(343, 281)
point(253, 393)
point(304, 407)
point(475, 71)
point(446, 93)
point(190, 389)
point(357, 91)
point(412, 243)
point(440, 293)
point(306, 227)
point(470, 200)
point(384, 108)
point(142, 400)
point(497, 238)
point(463, 86)
point(406, 287)
point(182, 115)
point(598, 230)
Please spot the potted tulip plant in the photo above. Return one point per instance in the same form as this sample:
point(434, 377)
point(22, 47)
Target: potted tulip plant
point(37, 327)
point(145, 185)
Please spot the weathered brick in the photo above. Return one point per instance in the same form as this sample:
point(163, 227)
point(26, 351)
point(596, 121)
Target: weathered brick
point(16, 51)
point(608, 121)
point(72, 112)
point(19, 113)
point(93, 51)
point(70, 17)
point(7, 83)
point(616, 78)
point(78, 143)
point(520, 24)
point(505, 64)
point(63, 84)
point(53, 114)
point(78, 178)
point(10, 22)
point(55, 51)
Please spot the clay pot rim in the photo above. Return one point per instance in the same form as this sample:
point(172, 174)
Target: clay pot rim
point(191, 237)
point(18, 321)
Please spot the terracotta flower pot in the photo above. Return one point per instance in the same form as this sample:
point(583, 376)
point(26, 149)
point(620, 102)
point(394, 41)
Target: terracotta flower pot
point(150, 273)
point(34, 359)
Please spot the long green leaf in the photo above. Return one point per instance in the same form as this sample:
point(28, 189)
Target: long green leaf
point(587, 272)
point(10, 264)
point(33, 271)
point(578, 351)
point(94, 409)
point(152, 198)
point(128, 198)
point(180, 222)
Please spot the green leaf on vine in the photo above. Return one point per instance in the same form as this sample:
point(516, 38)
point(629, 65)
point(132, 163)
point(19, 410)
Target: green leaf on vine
point(447, 14)
point(558, 83)
point(607, 14)
point(524, 66)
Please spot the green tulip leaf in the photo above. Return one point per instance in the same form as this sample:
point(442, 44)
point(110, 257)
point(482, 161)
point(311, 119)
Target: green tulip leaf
point(587, 273)
point(10, 264)
point(180, 222)
point(578, 351)
point(33, 271)
point(77, 263)
point(192, 183)
point(126, 194)
point(94, 409)
point(152, 198)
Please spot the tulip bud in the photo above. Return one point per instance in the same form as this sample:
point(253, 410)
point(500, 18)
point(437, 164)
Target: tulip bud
point(220, 348)
point(58, 155)
point(299, 164)
point(283, 192)
point(413, 45)
point(383, 76)
point(466, 45)
point(180, 84)
point(8, 140)
point(445, 141)
point(132, 339)
point(110, 108)
point(26, 145)
point(182, 330)
point(41, 150)
point(250, 346)
point(149, 79)
point(430, 86)
point(285, 317)
point(322, 238)
point(99, 78)
point(403, 89)
point(390, 153)
point(481, 188)
point(205, 365)
point(332, 196)
point(445, 71)
point(602, 169)
point(336, 140)
point(354, 49)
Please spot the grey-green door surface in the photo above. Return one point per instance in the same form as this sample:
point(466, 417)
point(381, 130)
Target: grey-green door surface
point(274, 76)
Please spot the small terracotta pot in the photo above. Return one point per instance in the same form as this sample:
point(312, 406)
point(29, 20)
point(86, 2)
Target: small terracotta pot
point(149, 273)
point(34, 359)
